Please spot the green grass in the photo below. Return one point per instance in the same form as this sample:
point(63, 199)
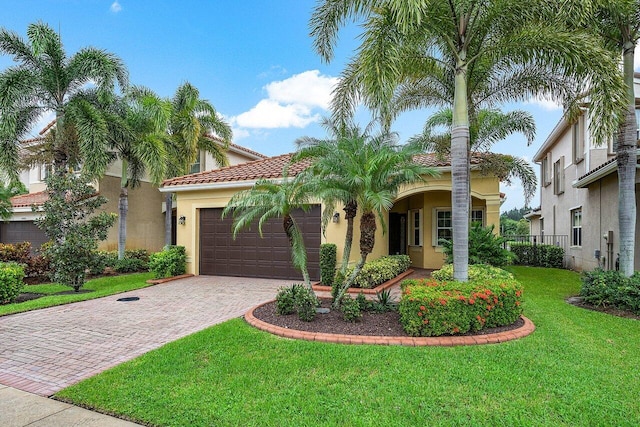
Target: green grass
point(578, 368)
point(101, 287)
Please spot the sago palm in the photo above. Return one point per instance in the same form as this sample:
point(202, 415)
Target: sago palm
point(405, 41)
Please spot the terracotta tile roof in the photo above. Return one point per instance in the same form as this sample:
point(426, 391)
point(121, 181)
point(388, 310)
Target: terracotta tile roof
point(272, 167)
point(602, 166)
point(268, 168)
point(26, 200)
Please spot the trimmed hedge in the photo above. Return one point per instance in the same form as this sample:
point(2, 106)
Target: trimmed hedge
point(430, 307)
point(328, 260)
point(172, 261)
point(134, 260)
point(476, 272)
point(380, 270)
point(549, 256)
point(11, 284)
point(611, 288)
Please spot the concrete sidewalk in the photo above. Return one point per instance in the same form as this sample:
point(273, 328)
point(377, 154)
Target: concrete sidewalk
point(19, 408)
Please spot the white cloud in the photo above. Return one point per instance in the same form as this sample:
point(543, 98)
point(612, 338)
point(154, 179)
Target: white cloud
point(293, 102)
point(545, 103)
point(115, 7)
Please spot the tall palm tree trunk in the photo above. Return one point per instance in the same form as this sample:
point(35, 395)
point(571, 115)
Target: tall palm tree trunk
point(123, 209)
point(367, 242)
point(168, 218)
point(627, 159)
point(460, 177)
point(350, 210)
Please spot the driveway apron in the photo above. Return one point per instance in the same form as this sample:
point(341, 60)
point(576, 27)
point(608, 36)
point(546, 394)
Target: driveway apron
point(44, 351)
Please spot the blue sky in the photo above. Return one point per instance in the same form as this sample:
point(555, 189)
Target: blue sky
point(253, 59)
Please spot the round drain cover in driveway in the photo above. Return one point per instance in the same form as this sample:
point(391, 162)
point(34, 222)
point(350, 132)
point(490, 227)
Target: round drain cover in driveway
point(128, 299)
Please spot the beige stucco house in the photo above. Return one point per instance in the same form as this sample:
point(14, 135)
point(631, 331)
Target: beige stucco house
point(420, 216)
point(145, 220)
point(579, 194)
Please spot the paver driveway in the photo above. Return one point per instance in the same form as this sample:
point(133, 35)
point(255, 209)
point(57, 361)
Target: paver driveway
point(44, 351)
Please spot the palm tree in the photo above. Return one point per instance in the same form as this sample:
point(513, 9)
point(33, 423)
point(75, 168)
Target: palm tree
point(378, 170)
point(404, 42)
point(193, 126)
point(45, 79)
point(618, 23)
point(487, 127)
point(136, 139)
point(270, 199)
point(334, 161)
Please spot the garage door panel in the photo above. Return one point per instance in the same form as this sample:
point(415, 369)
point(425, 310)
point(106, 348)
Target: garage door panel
point(252, 256)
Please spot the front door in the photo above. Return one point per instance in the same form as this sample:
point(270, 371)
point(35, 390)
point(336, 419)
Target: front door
point(397, 233)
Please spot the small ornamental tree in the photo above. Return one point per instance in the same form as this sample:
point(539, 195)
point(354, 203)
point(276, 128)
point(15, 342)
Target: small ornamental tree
point(72, 226)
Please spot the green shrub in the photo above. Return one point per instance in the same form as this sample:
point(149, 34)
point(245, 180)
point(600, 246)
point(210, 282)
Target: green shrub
point(484, 247)
point(328, 254)
point(11, 284)
point(172, 261)
point(338, 281)
point(384, 302)
point(141, 254)
point(350, 309)
point(549, 256)
point(130, 265)
point(305, 304)
point(362, 302)
point(34, 265)
point(476, 272)
point(286, 300)
point(380, 270)
point(611, 288)
point(430, 307)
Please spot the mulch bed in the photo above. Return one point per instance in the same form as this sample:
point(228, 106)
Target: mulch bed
point(372, 324)
point(28, 296)
point(613, 311)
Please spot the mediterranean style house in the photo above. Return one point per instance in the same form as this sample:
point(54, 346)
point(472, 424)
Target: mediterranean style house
point(579, 195)
point(145, 220)
point(420, 216)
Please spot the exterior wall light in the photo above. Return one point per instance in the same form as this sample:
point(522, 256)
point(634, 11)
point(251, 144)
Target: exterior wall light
point(182, 220)
point(336, 218)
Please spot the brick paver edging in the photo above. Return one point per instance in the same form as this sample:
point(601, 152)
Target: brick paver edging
point(367, 291)
point(498, 337)
point(168, 279)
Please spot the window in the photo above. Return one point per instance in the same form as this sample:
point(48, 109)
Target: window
point(477, 215)
point(558, 176)
point(415, 227)
point(577, 136)
point(195, 166)
point(546, 170)
point(45, 171)
point(442, 226)
point(576, 227)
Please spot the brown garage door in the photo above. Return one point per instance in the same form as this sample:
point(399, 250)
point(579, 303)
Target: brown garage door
point(22, 231)
point(251, 256)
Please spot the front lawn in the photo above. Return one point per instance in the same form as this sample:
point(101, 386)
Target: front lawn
point(578, 368)
point(101, 287)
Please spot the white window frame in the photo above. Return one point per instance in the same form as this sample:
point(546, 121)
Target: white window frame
point(546, 170)
point(415, 227)
point(474, 212)
point(197, 163)
point(576, 229)
point(435, 228)
point(45, 171)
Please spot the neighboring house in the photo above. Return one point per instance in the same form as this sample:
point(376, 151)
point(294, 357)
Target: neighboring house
point(579, 195)
point(420, 216)
point(145, 220)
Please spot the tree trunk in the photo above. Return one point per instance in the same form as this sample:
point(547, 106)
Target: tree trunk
point(288, 224)
point(123, 209)
point(350, 210)
point(627, 159)
point(168, 216)
point(367, 242)
point(460, 193)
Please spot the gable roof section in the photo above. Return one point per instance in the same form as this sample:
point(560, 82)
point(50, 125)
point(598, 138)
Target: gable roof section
point(271, 168)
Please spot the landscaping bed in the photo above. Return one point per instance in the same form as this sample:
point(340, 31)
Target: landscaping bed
point(371, 324)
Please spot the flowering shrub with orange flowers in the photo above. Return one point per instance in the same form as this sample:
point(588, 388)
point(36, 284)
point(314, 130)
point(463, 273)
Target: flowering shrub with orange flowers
point(431, 307)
